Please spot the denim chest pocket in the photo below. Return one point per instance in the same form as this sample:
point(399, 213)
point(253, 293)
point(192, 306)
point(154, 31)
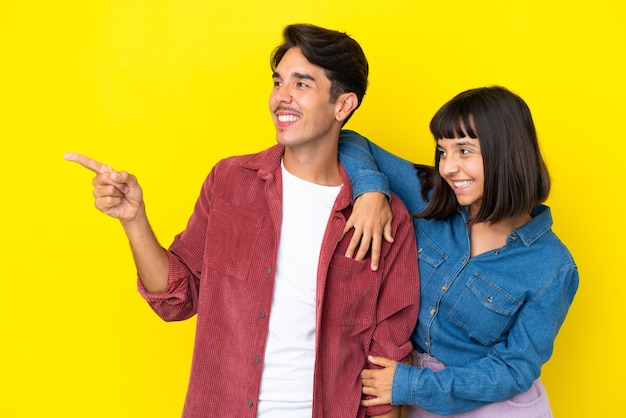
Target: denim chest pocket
point(429, 256)
point(483, 310)
point(232, 236)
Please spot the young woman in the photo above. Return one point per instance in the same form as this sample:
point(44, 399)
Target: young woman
point(496, 282)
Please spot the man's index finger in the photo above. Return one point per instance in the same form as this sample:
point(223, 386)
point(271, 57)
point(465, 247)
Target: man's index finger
point(88, 163)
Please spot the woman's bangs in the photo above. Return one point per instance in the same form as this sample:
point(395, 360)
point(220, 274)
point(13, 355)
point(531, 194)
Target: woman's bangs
point(452, 123)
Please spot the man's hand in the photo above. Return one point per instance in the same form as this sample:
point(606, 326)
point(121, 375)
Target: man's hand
point(116, 193)
point(371, 220)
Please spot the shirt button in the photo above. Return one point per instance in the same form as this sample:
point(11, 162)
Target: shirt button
point(250, 403)
point(261, 314)
point(432, 312)
point(269, 270)
point(257, 359)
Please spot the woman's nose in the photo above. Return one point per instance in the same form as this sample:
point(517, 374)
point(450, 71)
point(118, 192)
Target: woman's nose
point(449, 165)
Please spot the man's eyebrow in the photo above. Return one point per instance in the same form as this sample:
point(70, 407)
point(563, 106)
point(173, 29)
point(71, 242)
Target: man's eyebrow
point(304, 76)
point(295, 75)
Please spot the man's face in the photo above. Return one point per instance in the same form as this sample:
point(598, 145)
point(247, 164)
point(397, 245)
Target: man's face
point(300, 102)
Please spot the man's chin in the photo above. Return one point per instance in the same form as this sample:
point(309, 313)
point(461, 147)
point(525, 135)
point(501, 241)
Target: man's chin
point(283, 139)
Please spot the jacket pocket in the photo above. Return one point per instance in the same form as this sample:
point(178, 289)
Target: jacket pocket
point(484, 310)
point(232, 235)
point(351, 292)
point(429, 256)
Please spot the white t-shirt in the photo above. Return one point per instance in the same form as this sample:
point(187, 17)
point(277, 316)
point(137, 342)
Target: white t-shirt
point(287, 382)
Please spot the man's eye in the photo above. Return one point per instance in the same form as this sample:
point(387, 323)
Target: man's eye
point(302, 84)
point(277, 83)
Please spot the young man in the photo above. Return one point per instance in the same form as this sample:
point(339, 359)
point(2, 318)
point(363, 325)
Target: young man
point(285, 321)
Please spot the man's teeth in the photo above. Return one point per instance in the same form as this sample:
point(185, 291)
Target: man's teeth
point(462, 184)
point(287, 118)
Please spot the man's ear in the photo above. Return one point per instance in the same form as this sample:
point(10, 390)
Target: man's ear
point(345, 104)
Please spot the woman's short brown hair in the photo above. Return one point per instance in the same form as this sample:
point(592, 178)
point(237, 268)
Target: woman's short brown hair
point(516, 177)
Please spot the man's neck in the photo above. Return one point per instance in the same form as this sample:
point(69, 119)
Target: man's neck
point(319, 166)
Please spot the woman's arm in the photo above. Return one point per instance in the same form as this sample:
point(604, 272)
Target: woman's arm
point(509, 368)
point(373, 169)
point(374, 174)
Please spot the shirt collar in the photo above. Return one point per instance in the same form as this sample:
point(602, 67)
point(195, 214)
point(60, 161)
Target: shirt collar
point(540, 223)
point(267, 165)
point(532, 230)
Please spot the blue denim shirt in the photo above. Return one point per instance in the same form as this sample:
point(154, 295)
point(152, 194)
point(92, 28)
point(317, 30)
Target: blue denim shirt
point(492, 318)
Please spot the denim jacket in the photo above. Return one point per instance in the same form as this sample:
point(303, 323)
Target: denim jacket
point(492, 318)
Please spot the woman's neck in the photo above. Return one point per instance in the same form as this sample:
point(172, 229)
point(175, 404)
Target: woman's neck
point(485, 236)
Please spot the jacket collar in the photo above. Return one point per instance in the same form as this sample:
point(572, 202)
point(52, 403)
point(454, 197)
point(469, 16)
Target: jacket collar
point(540, 223)
point(267, 165)
point(532, 230)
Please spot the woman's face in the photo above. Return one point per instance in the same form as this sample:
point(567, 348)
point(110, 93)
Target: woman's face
point(461, 166)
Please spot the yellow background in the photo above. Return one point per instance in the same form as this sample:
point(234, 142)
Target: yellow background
point(165, 88)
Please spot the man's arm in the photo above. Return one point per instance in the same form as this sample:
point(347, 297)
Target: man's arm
point(398, 301)
point(119, 195)
point(393, 413)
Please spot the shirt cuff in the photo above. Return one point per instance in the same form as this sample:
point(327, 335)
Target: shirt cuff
point(370, 181)
point(174, 292)
point(404, 385)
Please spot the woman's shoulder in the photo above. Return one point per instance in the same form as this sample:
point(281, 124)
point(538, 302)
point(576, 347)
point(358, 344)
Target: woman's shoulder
point(539, 233)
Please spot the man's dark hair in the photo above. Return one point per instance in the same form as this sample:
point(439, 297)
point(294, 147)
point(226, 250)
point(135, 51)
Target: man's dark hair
point(336, 52)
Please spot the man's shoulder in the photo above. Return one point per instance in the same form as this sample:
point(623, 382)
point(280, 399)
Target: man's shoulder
point(397, 207)
point(258, 160)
